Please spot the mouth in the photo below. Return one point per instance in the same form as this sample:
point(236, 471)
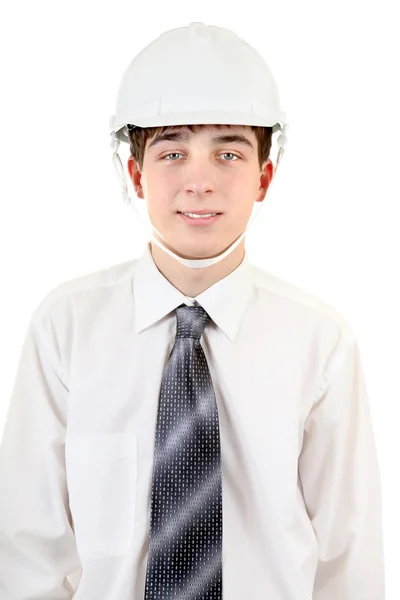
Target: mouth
point(200, 220)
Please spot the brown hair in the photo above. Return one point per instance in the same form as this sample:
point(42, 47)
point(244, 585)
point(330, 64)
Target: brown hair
point(139, 135)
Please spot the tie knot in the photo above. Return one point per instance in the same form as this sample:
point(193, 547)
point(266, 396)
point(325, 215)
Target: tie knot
point(191, 321)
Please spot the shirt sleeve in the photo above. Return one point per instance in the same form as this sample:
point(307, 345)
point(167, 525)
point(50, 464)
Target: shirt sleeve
point(37, 542)
point(338, 469)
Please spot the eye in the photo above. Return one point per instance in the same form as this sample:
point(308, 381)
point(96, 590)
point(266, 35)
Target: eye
point(179, 154)
point(232, 154)
point(171, 154)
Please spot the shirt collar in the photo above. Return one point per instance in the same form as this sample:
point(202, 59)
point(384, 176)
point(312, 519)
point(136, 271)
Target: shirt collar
point(225, 301)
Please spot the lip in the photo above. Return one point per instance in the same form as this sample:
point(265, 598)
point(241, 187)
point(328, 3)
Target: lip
point(199, 222)
point(204, 211)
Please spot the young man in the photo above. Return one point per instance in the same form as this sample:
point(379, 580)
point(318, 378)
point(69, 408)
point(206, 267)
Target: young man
point(185, 424)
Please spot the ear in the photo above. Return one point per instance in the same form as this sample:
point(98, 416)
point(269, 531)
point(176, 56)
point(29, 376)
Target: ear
point(266, 176)
point(136, 176)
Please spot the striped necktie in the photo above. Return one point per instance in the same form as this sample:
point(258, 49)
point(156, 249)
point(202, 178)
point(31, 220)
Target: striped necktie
point(185, 550)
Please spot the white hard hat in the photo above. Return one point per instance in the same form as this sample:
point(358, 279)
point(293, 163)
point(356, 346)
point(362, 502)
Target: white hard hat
point(197, 74)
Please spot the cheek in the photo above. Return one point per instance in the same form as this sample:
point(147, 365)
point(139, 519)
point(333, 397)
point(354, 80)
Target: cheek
point(162, 183)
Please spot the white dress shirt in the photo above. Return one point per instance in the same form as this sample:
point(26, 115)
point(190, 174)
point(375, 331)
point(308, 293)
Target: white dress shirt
point(301, 483)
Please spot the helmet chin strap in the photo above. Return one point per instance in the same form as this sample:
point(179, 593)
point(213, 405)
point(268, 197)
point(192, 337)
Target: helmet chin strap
point(195, 263)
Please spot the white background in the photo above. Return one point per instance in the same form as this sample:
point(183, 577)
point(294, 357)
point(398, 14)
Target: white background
point(331, 221)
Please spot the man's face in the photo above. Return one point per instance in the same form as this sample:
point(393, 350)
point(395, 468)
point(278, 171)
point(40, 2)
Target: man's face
point(190, 172)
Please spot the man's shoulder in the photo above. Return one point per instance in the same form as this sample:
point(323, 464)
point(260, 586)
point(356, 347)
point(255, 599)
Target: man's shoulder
point(297, 302)
point(99, 279)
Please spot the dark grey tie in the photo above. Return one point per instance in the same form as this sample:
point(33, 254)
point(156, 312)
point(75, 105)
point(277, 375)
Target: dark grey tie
point(185, 551)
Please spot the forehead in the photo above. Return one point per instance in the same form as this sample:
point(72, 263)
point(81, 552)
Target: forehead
point(215, 133)
point(207, 129)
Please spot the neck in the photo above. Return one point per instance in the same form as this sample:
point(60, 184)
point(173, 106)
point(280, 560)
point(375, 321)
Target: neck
point(192, 282)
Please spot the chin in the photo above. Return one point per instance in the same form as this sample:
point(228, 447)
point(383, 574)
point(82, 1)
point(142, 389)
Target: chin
point(192, 251)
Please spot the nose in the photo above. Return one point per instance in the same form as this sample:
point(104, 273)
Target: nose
point(199, 179)
point(199, 188)
point(199, 182)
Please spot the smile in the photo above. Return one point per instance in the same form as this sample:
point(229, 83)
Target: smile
point(199, 221)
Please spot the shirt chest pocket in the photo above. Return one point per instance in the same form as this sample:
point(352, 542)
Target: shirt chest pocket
point(101, 477)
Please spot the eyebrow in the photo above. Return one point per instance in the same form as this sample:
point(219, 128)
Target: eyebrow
point(183, 136)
